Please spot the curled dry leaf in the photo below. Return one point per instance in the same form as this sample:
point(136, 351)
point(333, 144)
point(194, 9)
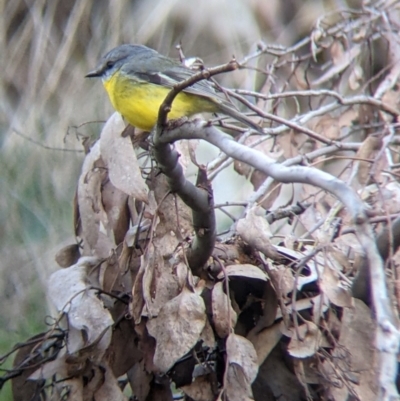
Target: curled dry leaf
point(332, 287)
point(115, 203)
point(356, 77)
point(306, 371)
point(242, 368)
point(59, 366)
point(310, 278)
point(75, 388)
point(337, 52)
point(269, 304)
point(222, 310)
point(68, 255)
point(123, 351)
point(70, 292)
point(255, 230)
point(139, 380)
point(89, 197)
point(241, 352)
point(120, 158)
point(283, 276)
point(177, 328)
point(186, 151)
point(200, 389)
point(327, 126)
point(237, 387)
point(109, 389)
point(22, 388)
point(207, 335)
point(159, 283)
point(245, 270)
point(358, 364)
point(308, 343)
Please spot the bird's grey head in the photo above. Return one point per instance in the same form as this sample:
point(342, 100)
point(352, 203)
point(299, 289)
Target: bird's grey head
point(114, 59)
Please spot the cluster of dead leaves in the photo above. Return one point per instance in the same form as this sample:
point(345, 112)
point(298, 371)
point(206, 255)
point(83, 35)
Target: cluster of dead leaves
point(133, 314)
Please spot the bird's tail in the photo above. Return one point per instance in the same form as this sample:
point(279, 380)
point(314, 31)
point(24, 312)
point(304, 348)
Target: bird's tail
point(231, 112)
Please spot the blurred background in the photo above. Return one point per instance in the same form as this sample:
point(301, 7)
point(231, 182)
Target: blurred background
point(47, 105)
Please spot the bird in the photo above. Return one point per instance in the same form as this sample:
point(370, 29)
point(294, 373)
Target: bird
point(138, 78)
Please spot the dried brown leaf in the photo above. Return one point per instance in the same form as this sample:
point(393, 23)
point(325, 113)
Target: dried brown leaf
point(109, 275)
point(200, 389)
point(337, 52)
point(308, 343)
point(391, 97)
point(283, 276)
point(356, 77)
point(177, 328)
point(306, 370)
point(70, 292)
point(46, 371)
point(269, 304)
point(115, 203)
point(220, 311)
point(358, 364)
point(139, 380)
point(89, 198)
point(170, 211)
point(160, 284)
point(147, 346)
point(328, 126)
point(186, 151)
point(348, 118)
point(249, 271)
point(137, 304)
point(333, 288)
point(22, 388)
point(237, 387)
point(68, 255)
point(241, 352)
point(207, 336)
point(120, 158)
point(75, 388)
point(255, 230)
point(110, 389)
point(150, 261)
point(123, 351)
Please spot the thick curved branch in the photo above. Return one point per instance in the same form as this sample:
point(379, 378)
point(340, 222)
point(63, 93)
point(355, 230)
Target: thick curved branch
point(198, 198)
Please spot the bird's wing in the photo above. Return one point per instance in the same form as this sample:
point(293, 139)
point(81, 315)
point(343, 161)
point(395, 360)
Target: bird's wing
point(167, 72)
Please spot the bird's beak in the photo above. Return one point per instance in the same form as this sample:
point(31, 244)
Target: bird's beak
point(94, 74)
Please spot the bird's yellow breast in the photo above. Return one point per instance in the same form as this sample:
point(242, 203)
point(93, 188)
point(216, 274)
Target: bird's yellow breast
point(139, 101)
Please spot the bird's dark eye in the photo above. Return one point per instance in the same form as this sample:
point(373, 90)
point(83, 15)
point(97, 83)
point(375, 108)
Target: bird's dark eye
point(110, 63)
